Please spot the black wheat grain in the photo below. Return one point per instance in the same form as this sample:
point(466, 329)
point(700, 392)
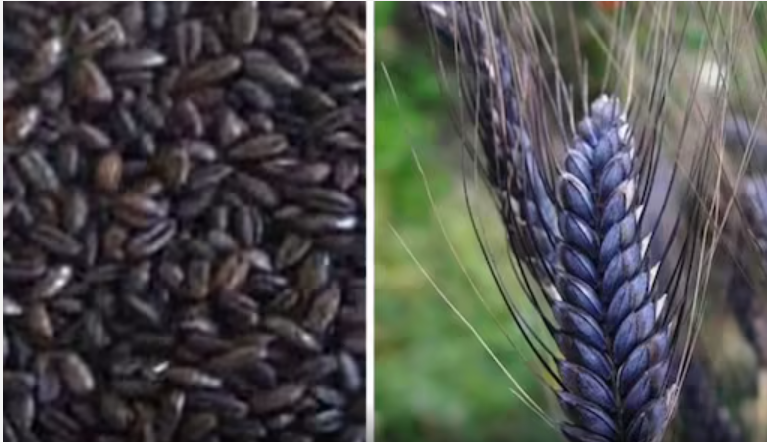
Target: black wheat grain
point(184, 221)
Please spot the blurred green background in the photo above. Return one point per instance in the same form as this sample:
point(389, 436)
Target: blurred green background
point(434, 381)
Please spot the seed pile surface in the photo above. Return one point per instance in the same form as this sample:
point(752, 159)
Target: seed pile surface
point(183, 203)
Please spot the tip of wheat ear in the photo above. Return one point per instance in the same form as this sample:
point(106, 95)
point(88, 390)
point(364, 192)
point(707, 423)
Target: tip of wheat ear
point(615, 372)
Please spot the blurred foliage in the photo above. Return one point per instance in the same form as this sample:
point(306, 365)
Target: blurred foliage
point(434, 381)
point(402, 119)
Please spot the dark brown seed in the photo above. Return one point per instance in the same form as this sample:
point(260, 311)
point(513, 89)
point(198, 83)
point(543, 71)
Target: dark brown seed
point(322, 200)
point(108, 33)
point(297, 173)
point(350, 88)
point(292, 250)
point(7, 208)
point(276, 399)
point(315, 100)
point(197, 426)
point(191, 377)
point(259, 259)
point(259, 147)
point(354, 342)
point(20, 410)
point(349, 32)
point(212, 46)
point(91, 137)
point(55, 240)
point(157, 15)
point(115, 412)
point(254, 95)
point(198, 279)
point(212, 71)
point(48, 58)
point(138, 210)
point(326, 421)
point(346, 172)
point(109, 172)
point(324, 310)
point(238, 359)
point(52, 283)
point(75, 211)
point(296, 437)
point(314, 273)
point(90, 83)
point(175, 168)
point(292, 333)
point(11, 307)
point(76, 374)
point(194, 205)
point(293, 54)
point(201, 151)
point(138, 278)
point(150, 114)
point(345, 67)
point(257, 190)
point(222, 241)
point(244, 430)
point(143, 310)
point(169, 415)
point(243, 22)
point(188, 41)
point(333, 121)
point(219, 403)
point(18, 383)
point(18, 125)
point(143, 426)
point(344, 140)
point(231, 127)
point(316, 369)
point(59, 423)
point(151, 241)
point(207, 176)
point(262, 67)
point(319, 222)
point(171, 274)
point(247, 226)
point(231, 274)
point(329, 396)
point(186, 119)
point(287, 16)
point(350, 372)
point(353, 434)
point(113, 242)
point(278, 423)
point(10, 88)
point(38, 172)
point(48, 381)
point(95, 331)
point(135, 59)
point(207, 344)
point(242, 312)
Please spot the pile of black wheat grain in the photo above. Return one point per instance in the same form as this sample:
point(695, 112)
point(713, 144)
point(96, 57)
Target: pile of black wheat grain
point(183, 203)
